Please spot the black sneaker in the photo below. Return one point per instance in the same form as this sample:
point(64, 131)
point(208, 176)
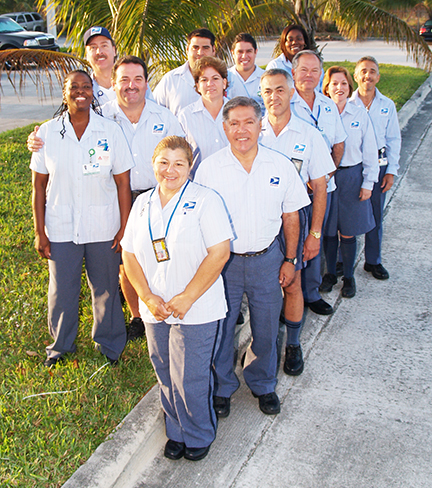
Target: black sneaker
point(349, 287)
point(136, 329)
point(294, 363)
point(327, 282)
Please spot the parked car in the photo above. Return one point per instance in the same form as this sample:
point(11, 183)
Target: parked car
point(426, 30)
point(31, 21)
point(13, 36)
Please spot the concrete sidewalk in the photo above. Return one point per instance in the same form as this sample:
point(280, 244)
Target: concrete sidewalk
point(360, 414)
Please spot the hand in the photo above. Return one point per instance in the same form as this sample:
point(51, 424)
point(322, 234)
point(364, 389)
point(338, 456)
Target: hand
point(387, 182)
point(286, 274)
point(43, 246)
point(311, 247)
point(34, 143)
point(179, 305)
point(157, 307)
point(365, 194)
point(116, 242)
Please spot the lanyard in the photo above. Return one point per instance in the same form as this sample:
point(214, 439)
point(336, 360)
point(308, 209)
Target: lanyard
point(313, 117)
point(173, 212)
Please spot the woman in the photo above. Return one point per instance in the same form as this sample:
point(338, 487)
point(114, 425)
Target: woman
point(202, 120)
point(81, 201)
point(351, 210)
point(292, 40)
point(174, 248)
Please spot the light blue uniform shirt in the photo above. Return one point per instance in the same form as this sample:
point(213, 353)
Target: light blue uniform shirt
point(155, 123)
point(360, 145)
point(383, 115)
point(250, 88)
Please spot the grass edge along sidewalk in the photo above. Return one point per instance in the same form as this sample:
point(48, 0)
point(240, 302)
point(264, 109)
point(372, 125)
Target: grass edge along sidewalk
point(43, 440)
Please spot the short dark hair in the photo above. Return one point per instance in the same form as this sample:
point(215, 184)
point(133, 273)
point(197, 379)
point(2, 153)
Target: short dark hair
point(202, 33)
point(241, 102)
point(285, 33)
point(209, 62)
point(129, 60)
point(244, 37)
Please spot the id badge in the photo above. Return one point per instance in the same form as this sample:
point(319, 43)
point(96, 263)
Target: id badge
point(160, 250)
point(382, 157)
point(91, 168)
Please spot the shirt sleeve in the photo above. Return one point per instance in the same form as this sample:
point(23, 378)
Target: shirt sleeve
point(295, 195)
point(370, 155)
point(393, 142)
point(37, 162)
point(127, 243)
point(122, 157)
point(340, 134)
point(321, 162)
point(159, 92)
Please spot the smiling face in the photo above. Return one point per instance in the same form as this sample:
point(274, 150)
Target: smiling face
point(338, 88)
point(242, 129)
point(294, 43)
point(78, 92)
point(244, 56)
point(211, 85)
point(307, 74)
point(171, 169)
point(276, 95)
point(367, 76)
point(100, 53)
point(197, 48)
point(130, 85)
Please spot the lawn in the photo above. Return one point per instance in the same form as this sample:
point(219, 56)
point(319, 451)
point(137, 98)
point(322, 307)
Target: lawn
point(44, 439)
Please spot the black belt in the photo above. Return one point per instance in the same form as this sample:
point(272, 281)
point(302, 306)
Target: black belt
point(252, 254)
point(346, 167)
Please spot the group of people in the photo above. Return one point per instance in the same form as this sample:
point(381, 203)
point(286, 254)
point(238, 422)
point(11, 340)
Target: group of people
point(220, 184)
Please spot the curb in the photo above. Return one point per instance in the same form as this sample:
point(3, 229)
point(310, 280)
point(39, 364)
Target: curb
point(140, 437)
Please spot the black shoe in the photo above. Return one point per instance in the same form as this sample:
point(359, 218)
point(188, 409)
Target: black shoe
point(320, 307)
point(136, 329)
point(327, 282)
point(196, 453)
point(268, 403)
point(51, 362)
point(221, 406)
point(113, 362)
point(294, 363)
point(378, 271)
point(349, 287)
point(174, 450)
point(339, 269)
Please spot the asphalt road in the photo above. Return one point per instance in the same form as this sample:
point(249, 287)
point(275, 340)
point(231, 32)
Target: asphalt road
point(34, 104)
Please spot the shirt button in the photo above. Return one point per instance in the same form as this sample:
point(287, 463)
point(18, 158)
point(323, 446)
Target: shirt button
point(217, 140)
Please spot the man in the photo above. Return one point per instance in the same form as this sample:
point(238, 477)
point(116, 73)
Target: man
point(307, 150)
point(176, 89)
point(144, 124)
point(101, 53)
point(244, 77)
point(382, 112)
point(262, 191)
point(320, 112)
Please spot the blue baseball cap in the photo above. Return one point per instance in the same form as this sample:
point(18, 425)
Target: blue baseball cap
point(96, 31)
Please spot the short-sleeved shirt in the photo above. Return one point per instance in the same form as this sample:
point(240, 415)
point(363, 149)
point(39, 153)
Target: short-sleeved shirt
point(281, 62)
point(385, 122)
point(205, 134)
point(250, 88)
point(82, 199)
point(255, 200)
point(360, 145)
point(303, 145)
point(176, 89)
point(199, 222)
point(155, 123)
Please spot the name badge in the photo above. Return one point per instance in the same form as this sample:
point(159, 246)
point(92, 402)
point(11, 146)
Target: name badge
point(160, 249)
point(91, 168)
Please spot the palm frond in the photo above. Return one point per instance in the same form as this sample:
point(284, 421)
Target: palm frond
point(43, 68)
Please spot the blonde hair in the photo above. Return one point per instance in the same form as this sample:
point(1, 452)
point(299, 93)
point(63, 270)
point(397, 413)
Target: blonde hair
point(173, 143)
point(330, 72)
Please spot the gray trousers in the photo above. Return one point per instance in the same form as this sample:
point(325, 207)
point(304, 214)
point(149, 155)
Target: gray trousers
point(102, 269)
point(182, 356)
point(258, 277)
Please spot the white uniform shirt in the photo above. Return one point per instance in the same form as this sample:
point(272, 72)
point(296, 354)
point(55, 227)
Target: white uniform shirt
point(205, 134)
point(176, 89)
point(303, 145)
point(360, 145)
point(82, 200)
point(105, 95)
point(255, 200)
point(385, 122)
point(250, 88)
point(199, 222)
point(155, 123)
point(281, 62)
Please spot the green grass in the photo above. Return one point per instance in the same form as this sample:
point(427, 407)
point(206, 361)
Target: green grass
point(43, 440)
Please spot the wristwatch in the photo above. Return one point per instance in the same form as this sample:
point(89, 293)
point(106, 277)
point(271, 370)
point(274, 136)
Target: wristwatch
point(317, 235)
point(290, 260)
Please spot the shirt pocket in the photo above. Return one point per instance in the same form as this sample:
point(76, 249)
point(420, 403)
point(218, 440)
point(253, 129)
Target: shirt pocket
point(58, 219)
